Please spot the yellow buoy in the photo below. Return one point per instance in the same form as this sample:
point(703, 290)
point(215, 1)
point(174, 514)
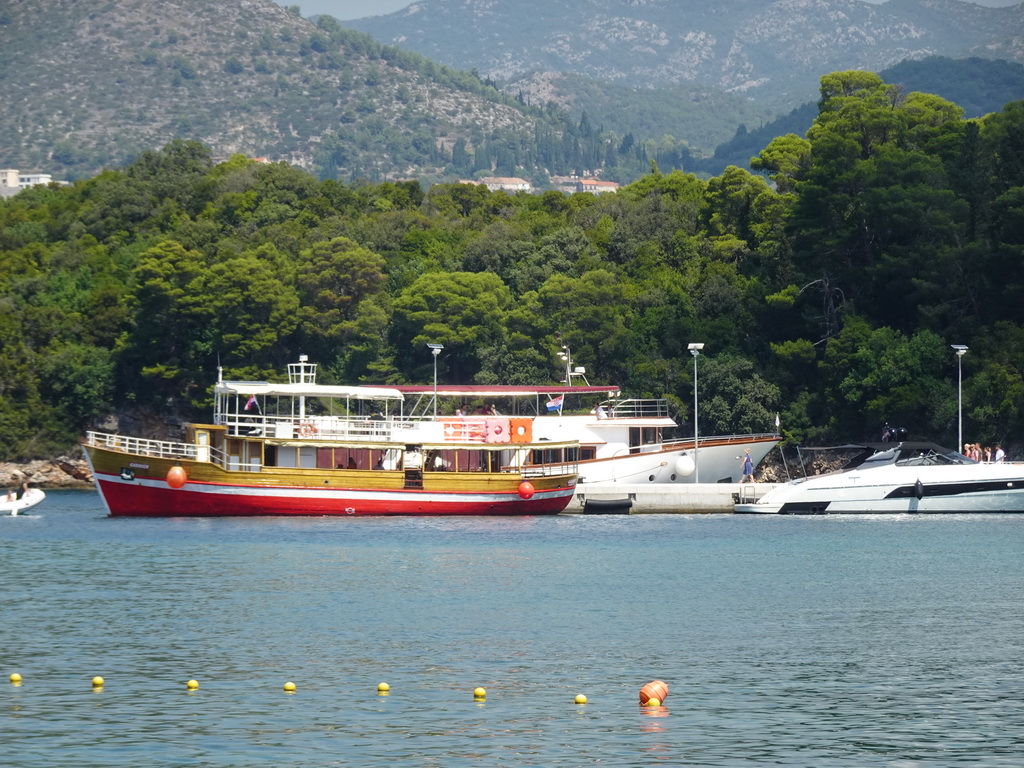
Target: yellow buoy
point(581, 699)
point(479, 693)
point(15, 678)
point(289, 687)
point(97, 682)
point(383, 687)
point(653, 703)
point(192, 684)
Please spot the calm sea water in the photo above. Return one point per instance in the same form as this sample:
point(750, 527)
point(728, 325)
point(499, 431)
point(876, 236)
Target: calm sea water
point(848, 641)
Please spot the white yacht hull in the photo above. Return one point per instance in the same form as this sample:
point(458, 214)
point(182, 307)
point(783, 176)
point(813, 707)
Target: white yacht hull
point(900, 490)
point(718, 462)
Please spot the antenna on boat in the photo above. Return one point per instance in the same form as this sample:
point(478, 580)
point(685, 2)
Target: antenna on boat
point(570, 370)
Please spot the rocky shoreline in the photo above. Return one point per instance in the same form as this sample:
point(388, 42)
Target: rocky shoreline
point(68, 471)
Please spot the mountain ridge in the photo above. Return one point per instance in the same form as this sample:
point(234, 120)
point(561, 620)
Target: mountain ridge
point(771, 50)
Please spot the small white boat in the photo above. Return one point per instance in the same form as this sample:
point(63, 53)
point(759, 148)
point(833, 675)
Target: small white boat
point(899, 478)
point(15, 506)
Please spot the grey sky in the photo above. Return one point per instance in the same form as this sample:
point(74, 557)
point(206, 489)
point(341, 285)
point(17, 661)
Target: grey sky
point(358, 9)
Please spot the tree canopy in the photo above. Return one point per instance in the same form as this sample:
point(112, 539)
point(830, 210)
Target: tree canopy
point(827, 290)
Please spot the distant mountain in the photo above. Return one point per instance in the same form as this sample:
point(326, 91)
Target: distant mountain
point(978, 85)
point(773, 51)
point(91, 83)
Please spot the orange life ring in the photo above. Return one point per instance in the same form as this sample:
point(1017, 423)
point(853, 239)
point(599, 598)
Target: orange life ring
point(521, 430)
point(307, 429)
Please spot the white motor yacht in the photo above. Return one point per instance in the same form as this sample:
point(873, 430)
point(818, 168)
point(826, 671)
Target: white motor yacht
point(900, 477)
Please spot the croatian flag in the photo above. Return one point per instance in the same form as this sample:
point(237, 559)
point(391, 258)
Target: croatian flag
point(250, 402)
point(555, 403)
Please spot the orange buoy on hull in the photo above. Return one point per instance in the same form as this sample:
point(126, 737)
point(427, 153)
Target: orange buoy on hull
point(176, 477)
point(526, 490)
point(656, 689)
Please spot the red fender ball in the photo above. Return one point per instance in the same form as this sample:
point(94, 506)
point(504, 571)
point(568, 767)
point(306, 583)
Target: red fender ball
point(526, 489)
point(176, 477)
point(656, 689)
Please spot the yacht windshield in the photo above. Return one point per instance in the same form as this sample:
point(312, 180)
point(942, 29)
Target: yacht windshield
point(931, 457)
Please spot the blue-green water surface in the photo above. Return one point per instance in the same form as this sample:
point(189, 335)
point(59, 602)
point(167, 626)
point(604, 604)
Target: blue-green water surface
point(846, 641)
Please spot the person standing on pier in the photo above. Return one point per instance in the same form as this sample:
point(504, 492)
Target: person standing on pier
point(748, 468)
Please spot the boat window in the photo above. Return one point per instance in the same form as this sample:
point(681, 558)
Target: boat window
point(931, 458)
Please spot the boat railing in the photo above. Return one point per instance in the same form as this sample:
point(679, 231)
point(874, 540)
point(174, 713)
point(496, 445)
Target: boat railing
point(309, 427)
point(140, 446)
point(167, 449)
point(687, 442)
point(636, 408)
point(548, 470)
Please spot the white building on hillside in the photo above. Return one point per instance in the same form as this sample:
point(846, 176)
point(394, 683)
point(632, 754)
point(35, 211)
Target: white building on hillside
point(12, 181)
point(508, 183)
point(596, 186)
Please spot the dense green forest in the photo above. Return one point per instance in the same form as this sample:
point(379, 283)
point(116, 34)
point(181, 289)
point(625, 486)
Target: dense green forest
point(830, 295)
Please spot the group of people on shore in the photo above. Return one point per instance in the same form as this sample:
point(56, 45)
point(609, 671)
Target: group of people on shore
point(987, 454)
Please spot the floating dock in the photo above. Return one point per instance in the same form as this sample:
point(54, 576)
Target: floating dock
point(662, 498)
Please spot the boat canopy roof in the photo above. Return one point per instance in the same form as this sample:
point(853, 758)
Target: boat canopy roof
point(306, 390)
point(524, 390)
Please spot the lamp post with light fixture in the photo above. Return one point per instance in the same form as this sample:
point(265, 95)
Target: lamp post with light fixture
point(695, 349)
point(435, 350)
point(960, 351)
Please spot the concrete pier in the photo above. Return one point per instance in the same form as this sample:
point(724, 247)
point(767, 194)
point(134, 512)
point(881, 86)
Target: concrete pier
point(663, 498)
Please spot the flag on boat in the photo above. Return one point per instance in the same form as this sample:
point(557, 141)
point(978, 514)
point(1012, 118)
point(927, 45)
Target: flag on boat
point(555, 403)
point(251, 402)
point(776, 422)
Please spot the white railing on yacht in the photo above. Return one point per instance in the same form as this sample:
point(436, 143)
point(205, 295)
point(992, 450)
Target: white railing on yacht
point(166, 449)
point(139, 446)
point(309, 427)
point(635, 408)
point(684, 442)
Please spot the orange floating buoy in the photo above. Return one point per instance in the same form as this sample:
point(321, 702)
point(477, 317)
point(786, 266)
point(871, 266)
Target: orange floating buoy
point(526, 489)
point(176, 477)
point(656, 689)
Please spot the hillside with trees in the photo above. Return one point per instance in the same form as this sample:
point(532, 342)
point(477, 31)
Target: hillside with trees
point(978, 86)
point(831, 296)
point(94, 83)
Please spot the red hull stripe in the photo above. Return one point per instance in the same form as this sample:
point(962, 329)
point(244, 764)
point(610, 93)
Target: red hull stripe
point(153, 498)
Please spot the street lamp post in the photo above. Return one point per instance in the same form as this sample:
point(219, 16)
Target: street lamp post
point(435, 350)
point(960, 350)
point(695, 349)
